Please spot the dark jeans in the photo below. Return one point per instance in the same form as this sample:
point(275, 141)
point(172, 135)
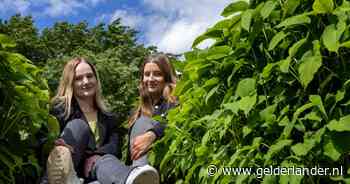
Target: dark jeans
point(107, 169)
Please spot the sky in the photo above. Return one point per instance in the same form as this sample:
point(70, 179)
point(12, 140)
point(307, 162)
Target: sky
point(171, 25)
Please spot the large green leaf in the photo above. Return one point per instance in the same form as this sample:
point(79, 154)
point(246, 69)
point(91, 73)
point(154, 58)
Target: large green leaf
point(342, 125)
point(308, 67)
point(268, 7)
point(247, 19)
point(247, 103)
point(276, 39)
point(210, 34)
point(295, 47)
point(246, 87)
point(218, 52)
point(323, 6)
point(295, 20)
point(330, 38)
point(234, 7)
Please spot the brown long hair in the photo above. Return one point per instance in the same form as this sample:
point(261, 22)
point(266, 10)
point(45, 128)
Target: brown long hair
point(64, 94)
point(145, 102)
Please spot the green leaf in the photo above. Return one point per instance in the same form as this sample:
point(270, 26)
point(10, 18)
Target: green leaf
point(268, 7)
point(342, 125)
point(295, 20)
point(301, 149)
point(330, 150)
point(295, 47)
point(247, 103)
point(276, 39)
point(246, 130)
point(339, 96)
point(233, 107)
point(235, 7)
point(207, 35)
point(247, 19)
point(218, 52)
point(267, 113)
point(267, 70)
point(289, 6)
point(312, 116)
point(317, 101)
point(246, 87)
point(330, 38)
point(308, 67)
point(284, 65)
point(322, 6)
point(345, 44)
point(274, 149)
point(211, 93)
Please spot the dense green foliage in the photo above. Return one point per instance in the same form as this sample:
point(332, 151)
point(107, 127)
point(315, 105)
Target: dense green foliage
point(272, 91)
point(23, 110)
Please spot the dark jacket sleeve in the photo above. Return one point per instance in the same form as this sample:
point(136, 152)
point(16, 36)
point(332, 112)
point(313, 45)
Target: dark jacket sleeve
point(158, 129)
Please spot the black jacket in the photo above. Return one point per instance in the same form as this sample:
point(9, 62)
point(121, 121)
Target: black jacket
point(109, 127)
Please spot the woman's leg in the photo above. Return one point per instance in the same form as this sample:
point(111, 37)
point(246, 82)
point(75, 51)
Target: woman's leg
point(141, 126)
point(62, 163)
point(109, 170)
point(77, 135)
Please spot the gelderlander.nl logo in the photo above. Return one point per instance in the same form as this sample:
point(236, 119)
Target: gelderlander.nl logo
point(262, 171)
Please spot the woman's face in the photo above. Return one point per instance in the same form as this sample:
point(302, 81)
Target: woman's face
point(153, 79)
point(85, 82)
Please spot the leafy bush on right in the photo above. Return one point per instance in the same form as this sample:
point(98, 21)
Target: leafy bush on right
point(272, 91)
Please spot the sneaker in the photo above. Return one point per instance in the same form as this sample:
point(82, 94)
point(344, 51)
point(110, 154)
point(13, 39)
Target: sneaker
point(143, 175)
point(60, 169)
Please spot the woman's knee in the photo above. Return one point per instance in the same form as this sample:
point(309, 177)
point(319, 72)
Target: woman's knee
point(76, 132)
point(77, 124)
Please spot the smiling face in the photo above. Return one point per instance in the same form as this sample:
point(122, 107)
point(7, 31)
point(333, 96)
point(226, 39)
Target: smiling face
point(153, 79)
point(85, 82)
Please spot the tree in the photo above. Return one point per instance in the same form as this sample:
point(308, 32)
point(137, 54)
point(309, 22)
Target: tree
point(22, 30)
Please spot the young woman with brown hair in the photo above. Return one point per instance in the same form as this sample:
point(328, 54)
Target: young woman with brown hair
point(157, 82)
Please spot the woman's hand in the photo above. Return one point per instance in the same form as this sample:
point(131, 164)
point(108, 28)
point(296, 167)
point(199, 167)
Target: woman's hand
point(89, 163)
point(142, 144)
point(60, 142)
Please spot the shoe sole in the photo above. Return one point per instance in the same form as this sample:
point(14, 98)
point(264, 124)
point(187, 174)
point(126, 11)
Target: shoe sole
point(149, 177)
point(58, 166)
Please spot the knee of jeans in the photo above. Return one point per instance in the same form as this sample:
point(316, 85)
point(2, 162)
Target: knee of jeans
point(108, 158)
point(77, 124)
point(75, 131)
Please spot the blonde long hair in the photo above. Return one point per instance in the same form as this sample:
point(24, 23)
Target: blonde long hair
point(64, 94)
point(145, 102)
